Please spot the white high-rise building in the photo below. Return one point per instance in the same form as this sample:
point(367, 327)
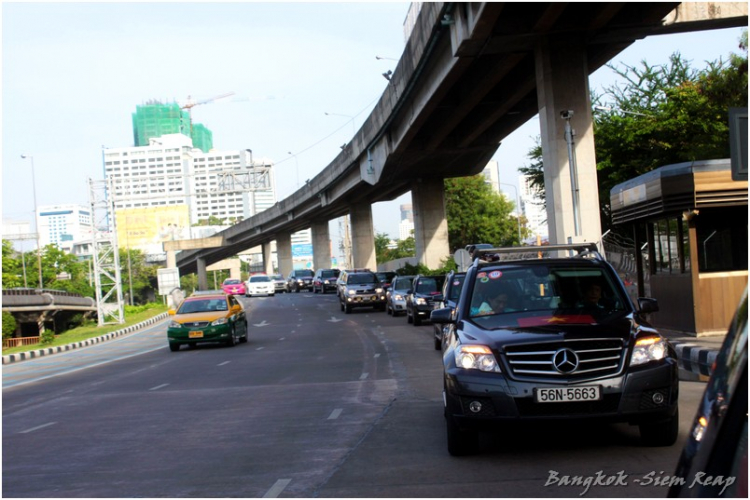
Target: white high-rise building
point(536, 214)
point(61, 225)
point(227, 185)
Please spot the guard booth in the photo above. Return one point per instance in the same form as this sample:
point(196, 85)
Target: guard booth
point(689, 222)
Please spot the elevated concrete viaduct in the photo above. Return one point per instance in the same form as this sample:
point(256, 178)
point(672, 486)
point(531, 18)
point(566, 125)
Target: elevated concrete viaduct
point(471, 73)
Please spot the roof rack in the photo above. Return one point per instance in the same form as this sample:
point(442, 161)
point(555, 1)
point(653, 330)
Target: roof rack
point(589, 250)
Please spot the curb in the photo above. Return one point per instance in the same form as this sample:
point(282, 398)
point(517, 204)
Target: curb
point(23, 356)
point(694, 358)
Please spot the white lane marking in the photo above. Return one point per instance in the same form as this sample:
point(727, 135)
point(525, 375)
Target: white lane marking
point(262, 323)
point(38, 427)
point(84, 367)
point(260, 348)
point(282, 338)
point(277, 488)
point(224, 363)
point(158, 387)
point(335, 414)
point(334, 319)
point(363, 376)
point(377, 356)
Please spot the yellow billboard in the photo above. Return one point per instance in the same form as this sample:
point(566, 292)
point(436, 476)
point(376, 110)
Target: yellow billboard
point(147, 228)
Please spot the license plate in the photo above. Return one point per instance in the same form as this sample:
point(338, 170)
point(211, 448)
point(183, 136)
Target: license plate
point(568, 394)
point(195, 335)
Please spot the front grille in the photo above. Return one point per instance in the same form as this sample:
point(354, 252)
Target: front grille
point(195, 324)
point(566, 360)
point(528, 408)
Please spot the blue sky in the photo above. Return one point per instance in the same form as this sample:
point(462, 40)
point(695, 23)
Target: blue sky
point(72, 74)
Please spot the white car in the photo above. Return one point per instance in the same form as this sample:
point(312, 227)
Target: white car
point(259, 284)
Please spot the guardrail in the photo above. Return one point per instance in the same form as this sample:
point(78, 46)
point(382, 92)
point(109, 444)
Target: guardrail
point(20, 341)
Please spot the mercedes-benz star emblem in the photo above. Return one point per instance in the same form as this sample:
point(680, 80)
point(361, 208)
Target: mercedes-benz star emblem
point(565, 360)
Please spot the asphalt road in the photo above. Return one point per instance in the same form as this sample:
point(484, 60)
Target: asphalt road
point(316, 404)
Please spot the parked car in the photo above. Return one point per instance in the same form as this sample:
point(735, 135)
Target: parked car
point(451, 293)
point(385, 277)
point(324, 280)
point(299, 279)
point(421, 299)
point(717, 442)
point(360, 289)
point(395, 296)
point(545, 352)
point(233, 286)
point(207, 318)
point(279, 283)
point(259, 284)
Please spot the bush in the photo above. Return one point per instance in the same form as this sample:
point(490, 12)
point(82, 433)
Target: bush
point(9, 325)
point(129, 310)
point(47, 337)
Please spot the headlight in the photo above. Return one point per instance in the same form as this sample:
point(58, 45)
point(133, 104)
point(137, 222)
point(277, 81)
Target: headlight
point(476, 357)
point(351, 291)
point(220, 321)
point(648, 349)
point(378, 290)
point(174, 324)
point(421, 301)
point(398, 297)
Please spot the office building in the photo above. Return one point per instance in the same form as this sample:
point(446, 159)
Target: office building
point(534, 209)
point(155, 119)
point(61, 225)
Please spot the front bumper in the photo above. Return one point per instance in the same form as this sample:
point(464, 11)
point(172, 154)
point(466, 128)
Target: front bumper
point(371, 300)
point(644, 394)
point(218, 333)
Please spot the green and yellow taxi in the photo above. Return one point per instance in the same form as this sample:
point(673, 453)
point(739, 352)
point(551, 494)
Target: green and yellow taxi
point(201, 318)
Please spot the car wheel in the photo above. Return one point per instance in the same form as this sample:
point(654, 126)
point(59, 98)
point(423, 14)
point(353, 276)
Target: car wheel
point(461, 441)
point(417, 320)
point(347, 309)
point(438, 343)
point(661, 433)
point(174, 347)
point(388, 310)
point(232, 340)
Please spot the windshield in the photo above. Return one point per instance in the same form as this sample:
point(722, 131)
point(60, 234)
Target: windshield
point(231, 282)
point(429, 284)
point(362, 279)
point(204, 305)
point(329, 274)
point(540, 295)
point(303, 273)
point(259, 279)
point(277, 277)
point(456, 284)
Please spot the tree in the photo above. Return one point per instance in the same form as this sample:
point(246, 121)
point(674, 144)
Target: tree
point(142, 275)
point(478, 215)
point(12, 267)
point(404, 248)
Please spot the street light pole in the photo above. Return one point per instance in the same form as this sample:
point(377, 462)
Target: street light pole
point(518, 209)
point(351, 119)
point(36, 221)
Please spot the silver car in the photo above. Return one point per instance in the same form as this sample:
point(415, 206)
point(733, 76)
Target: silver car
point(395, 298)
point(279, 283)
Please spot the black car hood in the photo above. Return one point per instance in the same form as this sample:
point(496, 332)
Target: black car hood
point(479, 331)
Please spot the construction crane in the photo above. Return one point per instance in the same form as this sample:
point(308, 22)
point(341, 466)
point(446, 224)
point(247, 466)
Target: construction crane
point(191, 104)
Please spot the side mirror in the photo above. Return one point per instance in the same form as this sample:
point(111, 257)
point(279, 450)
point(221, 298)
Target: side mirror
point(441, 316)
point(647, 305)
point(236, 309)
point(172, 312)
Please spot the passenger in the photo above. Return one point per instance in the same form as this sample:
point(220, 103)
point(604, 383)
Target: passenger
point(495, 304)
point(592, 297)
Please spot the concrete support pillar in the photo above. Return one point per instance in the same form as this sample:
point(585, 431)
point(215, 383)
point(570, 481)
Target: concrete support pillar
point(430, 224)
point(284, 253)
point(321, 242)
point(171, 259)
point(562, 84)
point(202, 277)
point(267, 262)
point(363, 237)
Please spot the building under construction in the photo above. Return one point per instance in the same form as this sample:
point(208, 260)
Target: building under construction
point(155, 119)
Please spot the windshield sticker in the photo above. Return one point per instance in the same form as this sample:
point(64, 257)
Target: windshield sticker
point(483, 274)
point(495, 274)
point(484, 279)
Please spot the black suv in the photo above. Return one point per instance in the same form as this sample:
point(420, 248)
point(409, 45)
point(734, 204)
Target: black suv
point(425, 293)
point(360, 289)
point(549, 339)
point(451, 293)
point(299, 279)
point(324, 280)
